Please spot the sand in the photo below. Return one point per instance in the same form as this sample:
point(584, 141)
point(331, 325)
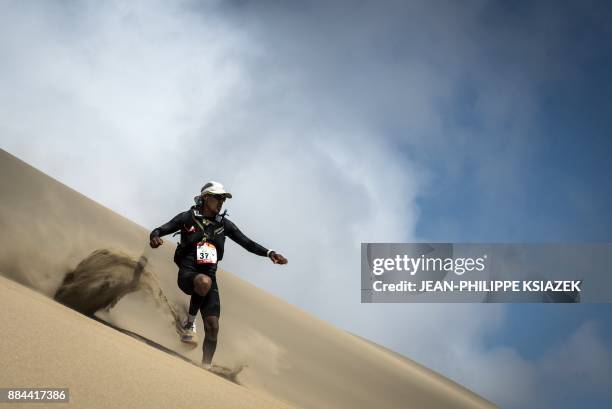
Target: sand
point(57, 242)
point(45, 344)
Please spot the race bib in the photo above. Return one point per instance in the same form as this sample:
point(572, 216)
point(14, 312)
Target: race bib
point(206, 253)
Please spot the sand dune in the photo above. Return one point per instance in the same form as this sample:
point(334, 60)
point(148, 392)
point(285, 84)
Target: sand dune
point(63, 245)
point(45, 344)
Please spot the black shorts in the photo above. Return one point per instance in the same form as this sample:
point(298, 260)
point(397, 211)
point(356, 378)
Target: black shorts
point(211, 306)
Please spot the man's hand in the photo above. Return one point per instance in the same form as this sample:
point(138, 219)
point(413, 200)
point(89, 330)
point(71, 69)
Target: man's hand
point(155, 242)
point(277, 258)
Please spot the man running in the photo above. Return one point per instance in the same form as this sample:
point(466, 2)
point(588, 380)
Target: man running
point(203, 230)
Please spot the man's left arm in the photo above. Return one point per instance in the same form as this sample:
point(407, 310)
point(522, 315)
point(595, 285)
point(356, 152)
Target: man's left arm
point(239, 237)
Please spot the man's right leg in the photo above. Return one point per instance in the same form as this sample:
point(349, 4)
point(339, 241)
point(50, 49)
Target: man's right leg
point(196, 285)
point(201, 286)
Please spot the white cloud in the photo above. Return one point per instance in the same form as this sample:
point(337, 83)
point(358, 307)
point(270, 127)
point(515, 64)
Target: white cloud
point(583, 362)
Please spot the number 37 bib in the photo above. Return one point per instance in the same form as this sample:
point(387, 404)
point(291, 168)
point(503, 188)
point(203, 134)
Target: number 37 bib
point(206, 253)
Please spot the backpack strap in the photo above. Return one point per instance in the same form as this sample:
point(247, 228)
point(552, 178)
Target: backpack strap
point(202, 234)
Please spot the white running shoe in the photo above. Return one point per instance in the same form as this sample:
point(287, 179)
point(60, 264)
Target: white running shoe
point(188, 332)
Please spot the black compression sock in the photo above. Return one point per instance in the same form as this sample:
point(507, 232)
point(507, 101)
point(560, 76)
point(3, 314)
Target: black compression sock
point(209, 350)
point(194, 303)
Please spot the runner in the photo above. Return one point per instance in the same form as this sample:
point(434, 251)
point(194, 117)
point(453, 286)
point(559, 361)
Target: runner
point(203, 230)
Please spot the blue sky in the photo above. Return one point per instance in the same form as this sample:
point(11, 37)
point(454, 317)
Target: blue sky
point(365, 121)
point(564, 193)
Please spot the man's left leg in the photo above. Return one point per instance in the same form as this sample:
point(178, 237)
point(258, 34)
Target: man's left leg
point(211, 329)
point(211, 311)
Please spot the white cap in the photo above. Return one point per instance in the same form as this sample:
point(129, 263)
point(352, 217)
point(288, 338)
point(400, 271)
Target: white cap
point(215, 188)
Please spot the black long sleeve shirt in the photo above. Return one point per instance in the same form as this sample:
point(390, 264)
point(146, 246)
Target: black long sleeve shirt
point(216, 231)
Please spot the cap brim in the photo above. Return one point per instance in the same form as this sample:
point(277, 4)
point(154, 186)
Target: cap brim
point(226, 194)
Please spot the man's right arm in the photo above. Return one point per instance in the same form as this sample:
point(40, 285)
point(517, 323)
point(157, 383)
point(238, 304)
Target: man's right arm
point(167, 228)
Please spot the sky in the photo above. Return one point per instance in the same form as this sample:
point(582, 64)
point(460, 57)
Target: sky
point(340, 122)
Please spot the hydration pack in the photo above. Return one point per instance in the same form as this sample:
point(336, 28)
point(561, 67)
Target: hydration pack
point(207, 231)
